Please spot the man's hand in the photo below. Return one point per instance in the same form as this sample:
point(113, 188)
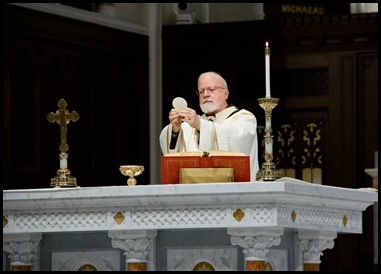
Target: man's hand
point(189, 116)
point(175, 119)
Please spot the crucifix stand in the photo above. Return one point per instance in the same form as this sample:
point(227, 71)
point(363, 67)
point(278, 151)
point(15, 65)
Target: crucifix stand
point(62, 117)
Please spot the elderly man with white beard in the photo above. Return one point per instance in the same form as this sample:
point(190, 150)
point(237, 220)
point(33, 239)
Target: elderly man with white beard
point(222, 126)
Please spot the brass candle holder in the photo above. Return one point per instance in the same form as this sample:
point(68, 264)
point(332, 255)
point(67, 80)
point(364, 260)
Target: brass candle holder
point(268, 172)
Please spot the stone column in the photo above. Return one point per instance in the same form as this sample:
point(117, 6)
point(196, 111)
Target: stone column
point(256, 243)
point(137, 245)
point(312, 244)
point(23, 250)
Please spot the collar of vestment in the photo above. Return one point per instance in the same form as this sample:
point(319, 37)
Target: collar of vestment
point(223, 114)
point(211, 117)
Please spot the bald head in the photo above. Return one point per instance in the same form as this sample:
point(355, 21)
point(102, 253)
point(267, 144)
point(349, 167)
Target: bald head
point(214, 77)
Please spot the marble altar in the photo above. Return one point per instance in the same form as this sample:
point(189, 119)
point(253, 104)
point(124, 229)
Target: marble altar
point(280, 225)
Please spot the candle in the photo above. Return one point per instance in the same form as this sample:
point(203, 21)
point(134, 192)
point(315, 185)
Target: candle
point(267, 63)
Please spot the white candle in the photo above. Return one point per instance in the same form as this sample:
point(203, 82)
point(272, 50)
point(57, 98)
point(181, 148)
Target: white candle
point(267, 63)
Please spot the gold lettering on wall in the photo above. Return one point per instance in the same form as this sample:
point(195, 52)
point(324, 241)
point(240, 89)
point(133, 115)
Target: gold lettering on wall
point(312, 10)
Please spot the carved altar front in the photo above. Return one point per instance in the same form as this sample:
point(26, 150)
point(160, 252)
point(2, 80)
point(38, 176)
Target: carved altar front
point(281, 225)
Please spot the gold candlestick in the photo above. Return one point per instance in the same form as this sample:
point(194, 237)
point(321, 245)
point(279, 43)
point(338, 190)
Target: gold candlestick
point(268, 171)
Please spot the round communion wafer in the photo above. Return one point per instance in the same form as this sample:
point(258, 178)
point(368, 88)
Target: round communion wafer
point(179, 102)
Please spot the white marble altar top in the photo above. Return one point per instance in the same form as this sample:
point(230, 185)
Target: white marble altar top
point(285, 189)
point(286, 203)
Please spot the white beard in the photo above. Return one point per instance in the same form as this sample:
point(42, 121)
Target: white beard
point(209, 107)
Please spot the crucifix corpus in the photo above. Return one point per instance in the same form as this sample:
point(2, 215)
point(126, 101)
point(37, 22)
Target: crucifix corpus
point(63, 117)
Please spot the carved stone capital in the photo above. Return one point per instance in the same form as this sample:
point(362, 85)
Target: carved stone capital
point(136, 244)
point(313, 243)
point(22, 248)
point(313, 249)
point(256, 242)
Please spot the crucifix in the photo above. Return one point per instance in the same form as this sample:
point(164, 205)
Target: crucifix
point(63, 117)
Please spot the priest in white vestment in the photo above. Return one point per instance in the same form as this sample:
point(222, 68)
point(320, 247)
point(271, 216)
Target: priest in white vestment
point(222, 127)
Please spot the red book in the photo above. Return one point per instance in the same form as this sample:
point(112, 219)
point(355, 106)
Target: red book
point(172, 163)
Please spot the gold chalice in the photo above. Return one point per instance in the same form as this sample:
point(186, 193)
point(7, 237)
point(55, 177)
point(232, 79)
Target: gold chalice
point(131, 171)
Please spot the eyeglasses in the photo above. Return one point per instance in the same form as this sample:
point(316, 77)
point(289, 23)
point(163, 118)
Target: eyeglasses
point(208, 89)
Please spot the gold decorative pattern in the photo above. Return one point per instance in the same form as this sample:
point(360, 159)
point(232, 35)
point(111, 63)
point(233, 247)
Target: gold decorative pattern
point(300, 147)
point(119, 218)
point(311, 267)
point(5, 221)
point(293, 216)
point(21, 268)
point(137, 266)
point(268, 267)
point(203, 266)
point(87, 267)
point(258, 266)
point(238, 215)
point(345, 220)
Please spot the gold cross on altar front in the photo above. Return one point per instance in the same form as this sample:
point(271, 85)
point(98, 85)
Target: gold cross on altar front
point(63, 117)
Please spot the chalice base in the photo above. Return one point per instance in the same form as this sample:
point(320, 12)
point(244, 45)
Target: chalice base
point(63, 179)
point(131, 182)
point(268, 172)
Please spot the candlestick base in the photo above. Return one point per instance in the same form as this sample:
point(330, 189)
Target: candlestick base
point(63, 179)
point(268, 172)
